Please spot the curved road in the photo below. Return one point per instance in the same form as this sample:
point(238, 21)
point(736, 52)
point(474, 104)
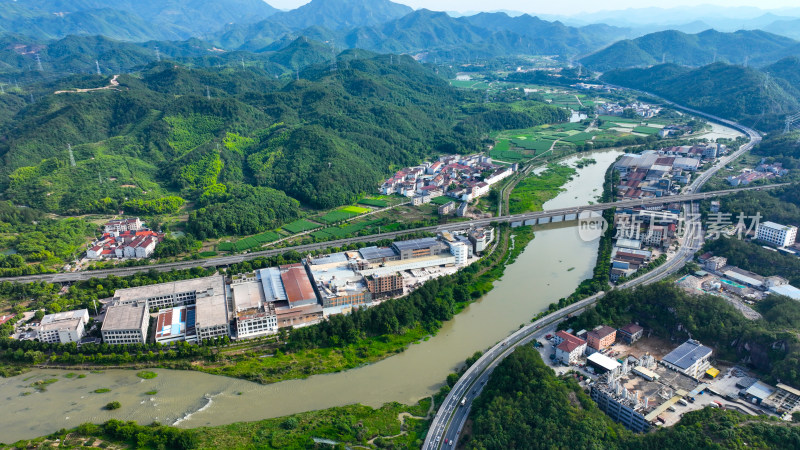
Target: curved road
point(451, 416)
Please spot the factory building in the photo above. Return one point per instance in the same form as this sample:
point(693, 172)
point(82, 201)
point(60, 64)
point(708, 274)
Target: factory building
point(126, 324)
point(690, 358)
point(776, 234)
point(418, 248)
point(254, 316)
point(63, 327)
point(175, 293)
point(389, 285)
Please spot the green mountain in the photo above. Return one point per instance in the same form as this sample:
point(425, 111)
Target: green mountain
point(341, 14)
point(552, 37)
point(734, 92)
point(754, 47)
point(133, 20)
point(256, 139)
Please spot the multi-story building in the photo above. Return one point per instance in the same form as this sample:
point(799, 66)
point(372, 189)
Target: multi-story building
point(481, 238)
point(175, 293)
point(690, 358)
point(460, 251)
point(631, 333)
point(637, 394)
point(656, 236)
point(63, 327)
point(715, 263)
point(122, 225)
point(569, 348)
point(254, 316)
point(601, 337)
point(776, 234)
point(389, 285)
point(339, 286)
point(212, 315)
point(126, 324)
point(447, 208)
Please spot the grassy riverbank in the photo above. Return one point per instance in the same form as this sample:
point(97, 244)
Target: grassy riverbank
point(393, 425)
point(534, 190)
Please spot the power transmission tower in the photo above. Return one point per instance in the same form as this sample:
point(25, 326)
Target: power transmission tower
point(97, 64)
point(208, 93)
point(335, 63)
point(242, 62)
point(158, 54)
point(2, 90)
point(32, 101)
point(71, 155)
point(664, 58)
point(792, 123)
point(39, 63)
point(746, 59)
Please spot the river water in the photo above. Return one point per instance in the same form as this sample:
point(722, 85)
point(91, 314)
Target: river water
point(550, 268)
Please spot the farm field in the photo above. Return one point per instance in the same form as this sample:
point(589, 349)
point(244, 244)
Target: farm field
point(299, 226)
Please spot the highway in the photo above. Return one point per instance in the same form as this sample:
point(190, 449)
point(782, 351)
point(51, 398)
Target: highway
point(451, 416)
point(222, 261)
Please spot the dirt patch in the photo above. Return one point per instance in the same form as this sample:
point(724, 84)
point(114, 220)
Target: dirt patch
point(652, 345)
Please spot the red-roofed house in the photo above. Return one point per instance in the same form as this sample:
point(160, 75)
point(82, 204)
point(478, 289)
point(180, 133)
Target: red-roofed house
point(568, 347)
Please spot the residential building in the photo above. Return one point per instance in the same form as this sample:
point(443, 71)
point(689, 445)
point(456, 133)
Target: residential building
point(630, 333)
point(63, 327)
point(570, 348)
point(601, 337)
point(126, 324)
point(656, 236)
point(690, 358)
point(715, 263)
point(122, 225)
point(776, 234)
point(715, 205)
point(462, 209)
point(389, 285)
point(447, 208)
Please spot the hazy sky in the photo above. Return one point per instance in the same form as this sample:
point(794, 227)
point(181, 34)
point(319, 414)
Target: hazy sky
point(565, 7)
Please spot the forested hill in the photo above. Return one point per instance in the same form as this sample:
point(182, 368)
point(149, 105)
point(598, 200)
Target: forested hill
point(754, 47)
point(135, 20)
point(734, 92)
point(197, 133)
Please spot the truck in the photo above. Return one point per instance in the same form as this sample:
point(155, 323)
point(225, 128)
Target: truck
point(463, 401)
point(683, 402)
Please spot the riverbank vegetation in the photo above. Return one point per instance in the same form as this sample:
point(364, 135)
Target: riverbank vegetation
point(524, 404)
point(393, 425)
point(534, 190)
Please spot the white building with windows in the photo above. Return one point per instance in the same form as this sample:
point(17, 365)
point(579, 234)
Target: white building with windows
point(460, 251)
point(126, 324)
point(63, 327)
point(776, 234)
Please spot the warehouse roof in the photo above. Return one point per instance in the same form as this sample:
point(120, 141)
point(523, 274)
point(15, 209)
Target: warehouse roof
point(124, 317)
point(298, 286)
point(416, 244)
point(370, 253)
point(687, 353)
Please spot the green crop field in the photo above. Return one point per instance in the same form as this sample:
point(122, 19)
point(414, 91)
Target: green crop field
point(338, 216)
point(356, 209)
point(538, 145)
point(646, 130)
point(443, 200)
point(249, 242)
point(507, 155)
point(502, 145)
point(579, 138)
point(298, 226)
point(373, 202)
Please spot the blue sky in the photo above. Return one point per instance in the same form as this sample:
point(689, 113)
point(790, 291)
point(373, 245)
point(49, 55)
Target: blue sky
point(565, 7)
